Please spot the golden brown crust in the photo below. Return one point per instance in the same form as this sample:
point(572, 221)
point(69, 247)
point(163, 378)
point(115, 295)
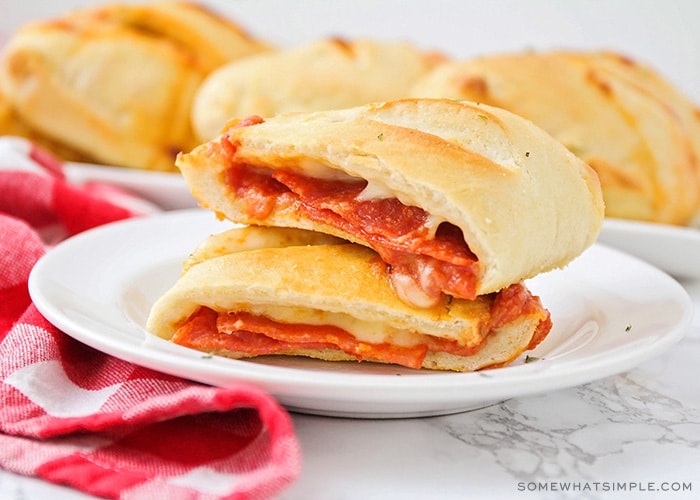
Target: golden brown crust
point(116, 82)
point(524, 203)
point(243, 238)
point(334, 278)
point(212, 39)
point(329, 73)
point(639, 133)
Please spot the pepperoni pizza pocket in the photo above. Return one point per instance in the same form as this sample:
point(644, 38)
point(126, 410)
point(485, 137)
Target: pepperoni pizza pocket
point(333, 302)
point(457, 199)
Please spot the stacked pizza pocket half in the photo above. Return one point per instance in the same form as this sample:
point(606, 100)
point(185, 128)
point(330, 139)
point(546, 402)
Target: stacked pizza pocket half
point(438, 210)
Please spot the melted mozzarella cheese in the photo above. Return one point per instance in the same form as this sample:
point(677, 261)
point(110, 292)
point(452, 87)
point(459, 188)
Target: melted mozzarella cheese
point(375, 332)
point(375, 191)
point(318, 170)
point(410, 292)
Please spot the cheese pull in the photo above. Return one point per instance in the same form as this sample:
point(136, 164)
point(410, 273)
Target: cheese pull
point(456, 198)
point(335, 303)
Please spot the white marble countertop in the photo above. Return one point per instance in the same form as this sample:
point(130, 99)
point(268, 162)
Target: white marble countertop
point(629, 436)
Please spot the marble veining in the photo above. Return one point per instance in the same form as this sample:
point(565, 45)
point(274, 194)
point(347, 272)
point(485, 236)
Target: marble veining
point(596, 432)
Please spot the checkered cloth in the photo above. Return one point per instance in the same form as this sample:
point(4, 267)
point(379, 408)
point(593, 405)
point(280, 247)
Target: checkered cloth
point(72, 415)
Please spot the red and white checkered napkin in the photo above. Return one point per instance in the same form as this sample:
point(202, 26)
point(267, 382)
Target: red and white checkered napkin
point(72, 415)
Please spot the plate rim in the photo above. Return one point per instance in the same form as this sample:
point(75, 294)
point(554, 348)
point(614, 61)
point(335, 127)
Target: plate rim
point(167, 190)
point(652, 227)
point(665, 246)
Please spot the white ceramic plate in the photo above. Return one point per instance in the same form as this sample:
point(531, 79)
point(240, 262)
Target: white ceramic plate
point(610, 312)
point(674, 249)
point(167, 190)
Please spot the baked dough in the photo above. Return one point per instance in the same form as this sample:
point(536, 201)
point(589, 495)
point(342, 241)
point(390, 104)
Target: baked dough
point(115, 83)
point(11, 124)
point(329, 73)
point(243, 238)
point(633, 127)
point(345, 286)
point(523, 202)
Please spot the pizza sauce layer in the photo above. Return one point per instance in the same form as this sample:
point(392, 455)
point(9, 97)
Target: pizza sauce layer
point(246, 334)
